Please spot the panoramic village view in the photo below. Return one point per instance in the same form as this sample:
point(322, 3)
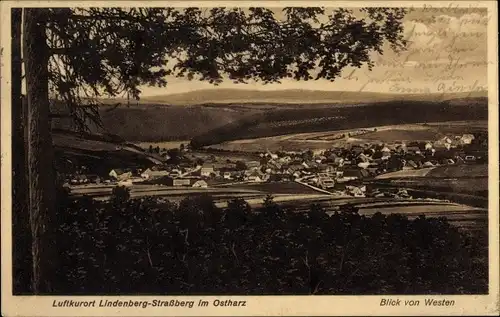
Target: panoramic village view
point(439, 167)
point(367, 180)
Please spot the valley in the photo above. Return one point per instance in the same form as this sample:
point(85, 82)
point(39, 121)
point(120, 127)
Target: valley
point(283, 150)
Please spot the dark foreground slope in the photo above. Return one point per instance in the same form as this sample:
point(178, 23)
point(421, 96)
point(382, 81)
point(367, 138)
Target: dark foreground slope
point(164, 123)
point(328, 118)
point(99, 153)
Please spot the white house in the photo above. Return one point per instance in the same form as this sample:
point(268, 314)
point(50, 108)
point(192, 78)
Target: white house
point(150, 174)
point(445, 140)
point(255, 176)
point(356, 191)
point(207, 170)
point(285, 160)
point(339, 161)
point(467, 139)
point(325, 182)
point(363, 158)
point(272, 155)
point(253, 164)
point(385, 149)
point(200, 184)
point(119, 174)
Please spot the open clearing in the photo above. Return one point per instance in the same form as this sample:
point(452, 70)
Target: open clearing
point(163, 145)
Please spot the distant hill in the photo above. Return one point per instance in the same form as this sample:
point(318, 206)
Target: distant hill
point(294, 96)
point(317, 119)
point(152, 121)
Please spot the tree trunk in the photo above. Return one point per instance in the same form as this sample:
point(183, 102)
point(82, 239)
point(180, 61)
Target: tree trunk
point(41, 174)
point(21, 245)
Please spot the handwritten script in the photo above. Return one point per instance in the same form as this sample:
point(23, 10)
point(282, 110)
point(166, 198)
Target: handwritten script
point(446, 53)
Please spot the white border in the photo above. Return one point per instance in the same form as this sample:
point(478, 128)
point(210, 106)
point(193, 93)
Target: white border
point(256, 305)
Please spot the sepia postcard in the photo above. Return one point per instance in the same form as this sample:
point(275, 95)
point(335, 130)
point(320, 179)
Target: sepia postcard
point(249, 158)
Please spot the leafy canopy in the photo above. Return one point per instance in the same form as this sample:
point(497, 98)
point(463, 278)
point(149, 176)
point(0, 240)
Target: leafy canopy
point(110, 52)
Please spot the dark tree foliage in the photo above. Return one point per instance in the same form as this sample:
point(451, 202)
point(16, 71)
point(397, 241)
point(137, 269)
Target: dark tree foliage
point(120, 195)
point(197, 248)
point(77, 56)
point(175, 156)
point(241, 166)
point(98, 52)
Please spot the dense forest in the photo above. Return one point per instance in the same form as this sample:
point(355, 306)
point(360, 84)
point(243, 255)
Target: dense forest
point(152, 246)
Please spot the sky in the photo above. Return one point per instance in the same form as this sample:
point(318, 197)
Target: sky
point(447, 52)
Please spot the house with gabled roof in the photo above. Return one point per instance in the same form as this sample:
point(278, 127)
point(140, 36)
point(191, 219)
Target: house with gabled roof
point(120, 174)
point(150, 173)
point(200, 184)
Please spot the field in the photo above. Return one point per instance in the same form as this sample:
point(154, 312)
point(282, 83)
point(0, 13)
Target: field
point(402, 135)
point(465, 183)
point(287, 143)
point(477, 186)
point(278, 188)
point(424, 132)
point(249, 190)
point(458, 171)
point(327, 139)
point(405, 174)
